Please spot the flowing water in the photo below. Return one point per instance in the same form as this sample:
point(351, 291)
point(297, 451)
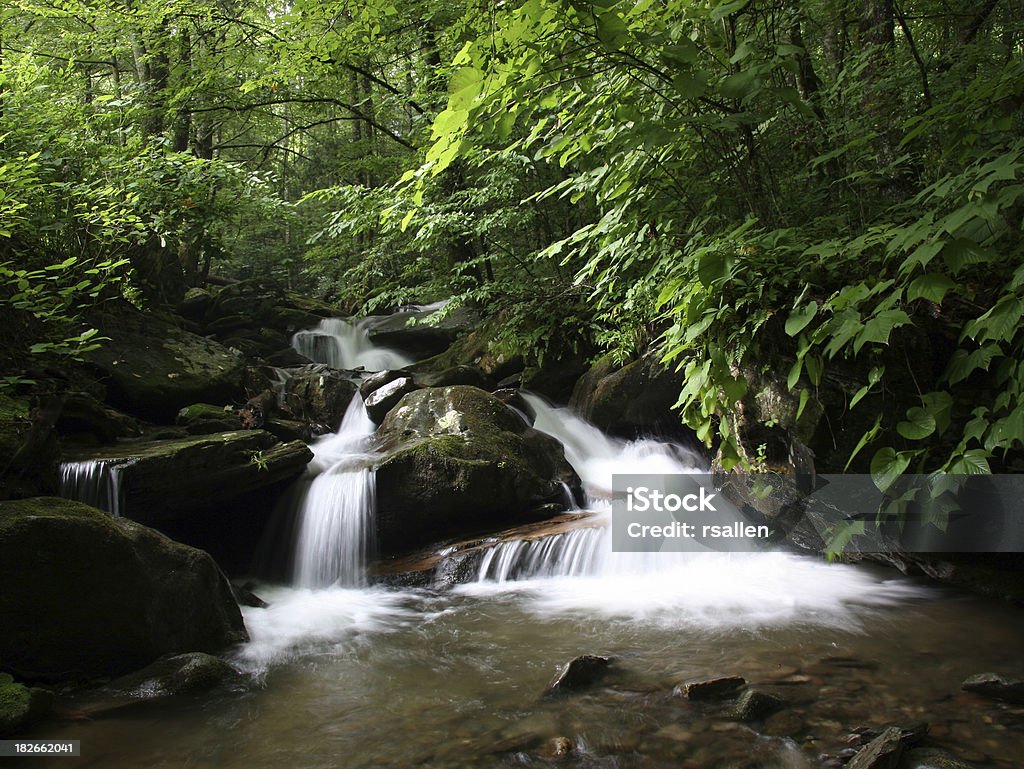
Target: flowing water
point(345, 345)
point(342, 674)
point(95, 482)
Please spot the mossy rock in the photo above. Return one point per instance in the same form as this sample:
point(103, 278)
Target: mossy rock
point(205, 419)
point(20, 705)
point(28, 455)
point(457, 461)
point(175, 675)
point(87, 594)
point(319, 393)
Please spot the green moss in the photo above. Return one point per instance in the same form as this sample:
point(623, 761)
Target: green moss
point(20, 706)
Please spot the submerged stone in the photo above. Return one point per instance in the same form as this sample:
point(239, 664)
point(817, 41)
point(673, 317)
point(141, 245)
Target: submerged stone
point(710, 688)
point(995, 687)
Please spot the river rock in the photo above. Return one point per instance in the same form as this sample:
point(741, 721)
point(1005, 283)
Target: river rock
point(319, 393)
point(387, 396)
point(995, 687)
point(378, 379)
point(579, 673)
point(152, 368)
point(755, 705)
point(631, 400)
point(931, 758)
point(456, 375)
point(455, 462)
point(86, 594)
point(173, 675)
point(20, 705)
point(710, 688)
point(84, 416)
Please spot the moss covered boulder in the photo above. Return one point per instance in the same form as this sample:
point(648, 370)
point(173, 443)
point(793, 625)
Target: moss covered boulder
point(319, 393)
point(86, 594)
point(205, 418)
point(153, 368)
point(457, 461)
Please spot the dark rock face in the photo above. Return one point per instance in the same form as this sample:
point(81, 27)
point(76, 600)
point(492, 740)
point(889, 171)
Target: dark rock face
point(153, 368)
point(456, 462)
point(386, 397)
point(711, 688)
point(579, 673)
point(319, 393)
point(995, 687)
point(86, 594)
point(82, 415)
point(633, 400)
point(456, 375)
point(378, 379)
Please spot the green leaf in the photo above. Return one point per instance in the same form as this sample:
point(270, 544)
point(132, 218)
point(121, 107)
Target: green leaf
point(714, 266)
point(879, 327)
point(865, 439)
point(971, 462)
point(728, 8)
point(738, 85)
point(920, 424)
point(887, 466)
point(932, 287)
point(798, 319)
point(874, 376)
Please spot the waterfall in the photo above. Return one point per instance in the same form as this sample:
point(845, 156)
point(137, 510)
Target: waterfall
point(587, 550)
point(95, 482)
point(335, 520)
point(345, 345)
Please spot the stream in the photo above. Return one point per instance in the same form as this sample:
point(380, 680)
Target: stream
point(345, 674)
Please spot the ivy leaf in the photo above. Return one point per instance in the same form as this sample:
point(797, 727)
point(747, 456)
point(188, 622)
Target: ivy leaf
point(971, 462)
point(920, 424)
point(878, 328)
point(887, 466)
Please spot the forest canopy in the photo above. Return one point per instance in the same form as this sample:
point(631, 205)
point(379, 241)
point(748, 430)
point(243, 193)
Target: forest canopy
point(810, 189)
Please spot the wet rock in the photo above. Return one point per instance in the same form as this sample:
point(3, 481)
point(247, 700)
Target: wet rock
point(245, 597)
point(995, 687)
point(515, 400)
point(755, 705)
point(152, 368)
point(387, 396)
point(287, 430)
point(579, 673)
point(173, 675)
point(286, 357)
point(457, 462)
point(195, 304)
point(20, 705)
point(86, 594)
point(318, 393)
point(711, 688)
point(378, 379)
point(931, 758)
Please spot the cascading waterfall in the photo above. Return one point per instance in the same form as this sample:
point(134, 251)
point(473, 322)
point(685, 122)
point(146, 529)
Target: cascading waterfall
point(95, 482)
point(345, 345)
point(335, 521)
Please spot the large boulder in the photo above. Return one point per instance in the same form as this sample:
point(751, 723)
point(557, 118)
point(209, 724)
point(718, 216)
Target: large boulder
point(632, 400)
point(152, 368)
point(457, 461)
point(87, 594)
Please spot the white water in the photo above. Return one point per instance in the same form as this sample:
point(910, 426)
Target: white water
point(577, 573)
point(335, 523)
point(345, 345)
point(95, 482)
